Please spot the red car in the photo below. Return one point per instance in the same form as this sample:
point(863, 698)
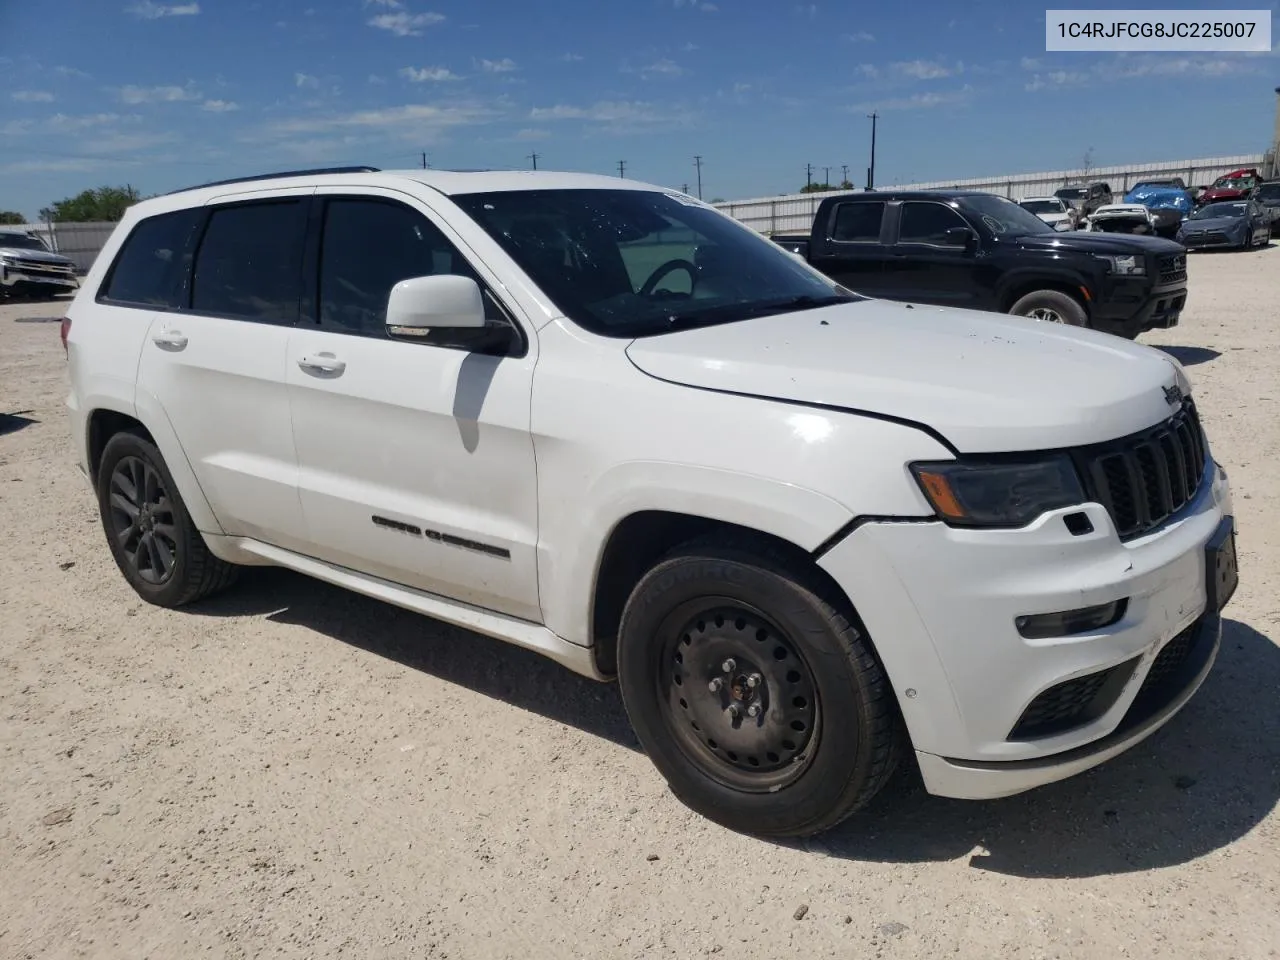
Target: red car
point(1236, 185)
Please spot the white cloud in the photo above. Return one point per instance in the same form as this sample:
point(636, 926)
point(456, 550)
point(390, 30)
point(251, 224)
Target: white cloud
point(305, 81)
point(869, 70)
point(392, 4)
point(374, 78)
point(662, 68)
point(62, 123)
point(701, 5)
point(809, 10)
point(32, 96)
point(741, 88)
point(428, 74)
point(170, 94)
point(406, 24)
point(71, 72)
point(1030, 63)
point(619, 116)
point(410, 122)
point(149, 10)
point(924, 69)
point(860, 37)
point(918, 101)
point(530, 133)
point(570, 57)
point(505, 65)
point(219, 106)
point(1126, 67)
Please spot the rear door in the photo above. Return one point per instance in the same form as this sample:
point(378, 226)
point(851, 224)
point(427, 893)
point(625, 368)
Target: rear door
point(216, 367)
point(926, 266)
point(851, 247)
point(417, 463)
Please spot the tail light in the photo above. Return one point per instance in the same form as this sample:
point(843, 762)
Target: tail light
point(64, 333)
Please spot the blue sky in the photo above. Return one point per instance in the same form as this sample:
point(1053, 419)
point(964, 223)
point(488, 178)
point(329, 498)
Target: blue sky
point(166, 94)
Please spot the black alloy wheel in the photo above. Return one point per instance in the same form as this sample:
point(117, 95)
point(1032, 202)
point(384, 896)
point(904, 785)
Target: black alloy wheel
point(152, 538)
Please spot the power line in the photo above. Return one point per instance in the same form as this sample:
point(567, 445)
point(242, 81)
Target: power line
point(697, 162)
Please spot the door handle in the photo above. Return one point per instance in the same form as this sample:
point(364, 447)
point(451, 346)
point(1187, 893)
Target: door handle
point(170, 340)
point(322, 363)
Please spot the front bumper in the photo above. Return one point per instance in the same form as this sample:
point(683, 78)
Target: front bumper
point(1129, 306)
point(1217, 240)
point(21, 280)
point(939, 604)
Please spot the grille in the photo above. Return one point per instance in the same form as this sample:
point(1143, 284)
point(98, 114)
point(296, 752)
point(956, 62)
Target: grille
point(42, 267)
point(1164, 678)
point(1072, 703)
point(1208, 236)
point(1144, 479)
point(1173, 268)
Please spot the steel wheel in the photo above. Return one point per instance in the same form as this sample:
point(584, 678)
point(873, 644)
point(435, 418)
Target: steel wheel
point(737, 696)
point(142, 521)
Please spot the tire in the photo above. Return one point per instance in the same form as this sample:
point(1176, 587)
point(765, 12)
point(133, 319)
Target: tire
point(140, 507)
point(827, 736)
point(1051, 306)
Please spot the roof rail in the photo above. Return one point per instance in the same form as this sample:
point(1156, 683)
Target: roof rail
point(276, 176)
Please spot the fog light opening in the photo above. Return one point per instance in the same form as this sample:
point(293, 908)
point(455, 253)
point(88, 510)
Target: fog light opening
point(1042, 626)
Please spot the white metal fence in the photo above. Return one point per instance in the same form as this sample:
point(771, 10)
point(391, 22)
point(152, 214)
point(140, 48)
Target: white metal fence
point(793, 213)
point(80, 241)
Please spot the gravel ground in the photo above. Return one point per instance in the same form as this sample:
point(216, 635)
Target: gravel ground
point(294, 771)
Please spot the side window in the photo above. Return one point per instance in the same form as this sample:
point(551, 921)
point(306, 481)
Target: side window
point(153, 263)
point(249, 265)
point(858, 222)
point(927, 222)
point(367, 247)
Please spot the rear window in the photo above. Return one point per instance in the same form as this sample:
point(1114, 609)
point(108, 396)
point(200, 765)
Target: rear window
point(249, 265)
point(152, 266)
point(858, 222)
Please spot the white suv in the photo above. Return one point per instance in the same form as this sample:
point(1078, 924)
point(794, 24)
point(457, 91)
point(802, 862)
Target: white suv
point(806, 531)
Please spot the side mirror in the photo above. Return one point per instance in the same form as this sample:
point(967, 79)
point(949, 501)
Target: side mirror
point(960, 237)
point(421, 304)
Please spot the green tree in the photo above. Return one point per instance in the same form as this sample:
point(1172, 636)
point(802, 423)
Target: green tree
point(102, 204)
point(10, 217)
point(816, 188)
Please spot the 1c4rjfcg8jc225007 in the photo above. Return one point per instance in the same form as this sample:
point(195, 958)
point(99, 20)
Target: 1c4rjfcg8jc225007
point(601, 420)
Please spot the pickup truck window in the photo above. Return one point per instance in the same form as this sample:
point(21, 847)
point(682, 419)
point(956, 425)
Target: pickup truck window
point(1003, 217)
point(858, 222)
point(636, 263)
point(924, 221)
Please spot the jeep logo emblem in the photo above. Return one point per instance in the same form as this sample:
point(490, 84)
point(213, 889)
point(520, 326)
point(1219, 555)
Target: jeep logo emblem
point(1173, 394)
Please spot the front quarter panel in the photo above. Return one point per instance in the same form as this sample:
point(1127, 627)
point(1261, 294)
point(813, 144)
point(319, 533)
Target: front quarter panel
point(612, 441)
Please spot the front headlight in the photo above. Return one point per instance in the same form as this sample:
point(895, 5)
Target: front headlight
point(1126, 265)
point(998, 494)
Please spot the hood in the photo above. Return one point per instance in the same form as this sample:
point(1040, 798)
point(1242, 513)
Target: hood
point(987, 382)
point(1121, 210)
point(1214, 223)
point(1160, 198)
point(40, 256)
point(1221, 193)
point(1086, 241)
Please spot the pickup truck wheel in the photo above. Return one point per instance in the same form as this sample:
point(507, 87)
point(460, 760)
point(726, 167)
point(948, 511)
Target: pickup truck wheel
point(1051, 306)
point(755, 697)
point(151, 536)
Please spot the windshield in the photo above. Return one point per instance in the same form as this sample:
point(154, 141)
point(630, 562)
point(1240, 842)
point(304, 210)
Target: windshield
point(634, 263)
point(1233, 183)
point(1003, 217)
point(21, 241)
point(1155, 185)
point(1211, 211)
point(1041, 206)
point(1269, 191)
point(1070, 193)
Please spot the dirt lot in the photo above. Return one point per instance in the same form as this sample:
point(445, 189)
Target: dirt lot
point(293, 771)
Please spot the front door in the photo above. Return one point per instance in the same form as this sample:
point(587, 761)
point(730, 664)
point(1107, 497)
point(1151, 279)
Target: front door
point(416, 459)
point(853, 255)
point(926, 265)
point(216, 367)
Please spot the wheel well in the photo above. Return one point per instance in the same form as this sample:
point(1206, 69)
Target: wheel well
point(640, 541)
point(1021, 289)
point(103, 425)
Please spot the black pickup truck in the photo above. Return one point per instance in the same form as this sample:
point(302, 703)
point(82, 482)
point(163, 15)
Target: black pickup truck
point(983, 252)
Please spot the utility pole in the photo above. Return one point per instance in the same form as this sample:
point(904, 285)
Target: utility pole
point(534, 158)
point(697, 162)
point(685, 188)
point(871, 170)
point(808, 175)
point(424, 160)
point(826, 176)
point(622, 168)
point(844, 173)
